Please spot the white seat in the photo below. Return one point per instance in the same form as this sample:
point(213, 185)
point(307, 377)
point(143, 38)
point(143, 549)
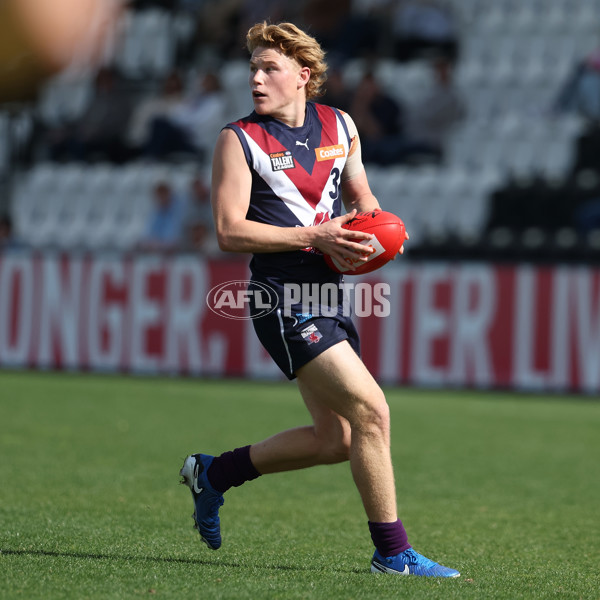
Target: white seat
point(158, 39)
point(35, 204)
point(100, 205)
point(147, 45)
point(73, 207)
point(493, 19)
point(65, 97)
point(396, 194)
point(378, 182)
point(234, 78)
point(438, 206)
point(354, 69)
point(557, 161)
point(131, 204)
point(470, 214)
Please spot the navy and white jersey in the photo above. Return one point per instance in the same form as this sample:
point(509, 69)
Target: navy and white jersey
point(296, 177)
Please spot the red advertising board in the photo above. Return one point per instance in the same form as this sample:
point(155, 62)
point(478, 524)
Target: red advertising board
point(460, 324)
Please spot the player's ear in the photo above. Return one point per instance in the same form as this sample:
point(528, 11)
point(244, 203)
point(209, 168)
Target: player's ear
point(303, 76)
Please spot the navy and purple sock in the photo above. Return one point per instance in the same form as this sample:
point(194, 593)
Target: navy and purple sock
point(389, 538)
point(231, 469)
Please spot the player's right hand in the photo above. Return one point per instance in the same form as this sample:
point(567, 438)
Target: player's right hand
point(341, 244)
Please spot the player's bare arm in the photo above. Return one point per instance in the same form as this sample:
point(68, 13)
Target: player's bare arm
point(357, 194)
point(356, 191)
point(231, 184)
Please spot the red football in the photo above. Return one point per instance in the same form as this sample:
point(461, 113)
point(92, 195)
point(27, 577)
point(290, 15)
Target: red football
point(388, 233)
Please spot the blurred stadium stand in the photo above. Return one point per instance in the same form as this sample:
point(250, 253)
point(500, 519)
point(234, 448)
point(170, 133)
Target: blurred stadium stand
point(518, 181)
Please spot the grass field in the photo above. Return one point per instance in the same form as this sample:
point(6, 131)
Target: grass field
point(504, 487)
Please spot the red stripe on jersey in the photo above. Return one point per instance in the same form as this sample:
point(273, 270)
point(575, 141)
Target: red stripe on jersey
point(266, 142)
point(328, 117)
point(310, 185)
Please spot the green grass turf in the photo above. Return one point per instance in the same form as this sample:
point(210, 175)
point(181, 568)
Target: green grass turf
point(504, 487)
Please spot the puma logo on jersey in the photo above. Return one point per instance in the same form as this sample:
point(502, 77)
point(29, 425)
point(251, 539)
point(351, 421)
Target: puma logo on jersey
point(282, 160)
point(330, 152)
point(305, 144)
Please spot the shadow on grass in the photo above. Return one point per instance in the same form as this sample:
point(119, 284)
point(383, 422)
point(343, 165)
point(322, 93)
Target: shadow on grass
point(167, 559)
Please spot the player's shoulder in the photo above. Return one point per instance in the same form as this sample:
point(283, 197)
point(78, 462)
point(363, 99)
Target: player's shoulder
point(233, 128)
point(228, 143)
point(318, 107)
point(341, 113)
point(241, 123)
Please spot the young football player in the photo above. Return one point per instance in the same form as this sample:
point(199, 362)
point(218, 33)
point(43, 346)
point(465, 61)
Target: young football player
point(282, 179)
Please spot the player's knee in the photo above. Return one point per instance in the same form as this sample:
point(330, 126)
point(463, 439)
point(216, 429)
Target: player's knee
point(380, 418)
point(374, 418)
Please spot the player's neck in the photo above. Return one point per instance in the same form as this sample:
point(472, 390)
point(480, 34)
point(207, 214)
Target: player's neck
point(292, 116)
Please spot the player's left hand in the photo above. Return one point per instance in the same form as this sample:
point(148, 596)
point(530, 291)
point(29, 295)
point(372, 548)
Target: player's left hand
point(401, 251)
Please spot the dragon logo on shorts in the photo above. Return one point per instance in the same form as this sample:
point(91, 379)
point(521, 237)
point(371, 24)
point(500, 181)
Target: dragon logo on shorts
point(311, 334)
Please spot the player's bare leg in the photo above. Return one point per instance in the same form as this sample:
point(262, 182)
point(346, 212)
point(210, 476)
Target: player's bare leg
point(350, 420)
point(339, 380)
point(342, 397)
point(333, 384)
point(327, 441)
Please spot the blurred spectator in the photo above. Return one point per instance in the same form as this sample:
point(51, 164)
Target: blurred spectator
point(326, 22)
point(430, 120)
point(218, 28)
point(581, 93)
point(369, 29)
point(382, 123)
point(587, 149)
point(424, 28)
point(7, 239)
point(255, 11)
point(344, 32)
point(201, 114)
point(379, 120)
point(155, 107)
point(178, 122)
point(199, 227)
point(99, 132)
point(587, 216)
point(337, 93)
point(164, 230)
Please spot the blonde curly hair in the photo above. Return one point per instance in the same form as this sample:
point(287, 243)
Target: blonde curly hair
point(295, 44)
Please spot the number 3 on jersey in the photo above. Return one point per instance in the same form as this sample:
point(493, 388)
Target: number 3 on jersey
point(335, 180)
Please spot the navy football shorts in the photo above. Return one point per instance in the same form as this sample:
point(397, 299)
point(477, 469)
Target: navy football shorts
point(292, 342)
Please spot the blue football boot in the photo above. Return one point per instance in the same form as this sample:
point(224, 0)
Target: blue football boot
point(410, 562)
point(207, 500)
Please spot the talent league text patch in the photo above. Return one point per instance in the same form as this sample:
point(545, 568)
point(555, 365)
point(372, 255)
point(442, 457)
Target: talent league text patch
point(330, 152)
point(282, 160)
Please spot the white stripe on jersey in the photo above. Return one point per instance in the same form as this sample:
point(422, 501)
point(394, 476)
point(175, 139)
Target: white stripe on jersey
point(284, 188)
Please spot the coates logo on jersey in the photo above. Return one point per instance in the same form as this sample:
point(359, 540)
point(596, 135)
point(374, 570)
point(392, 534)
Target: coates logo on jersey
point(280, 161)
point(233, 299)
point(330, 152)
